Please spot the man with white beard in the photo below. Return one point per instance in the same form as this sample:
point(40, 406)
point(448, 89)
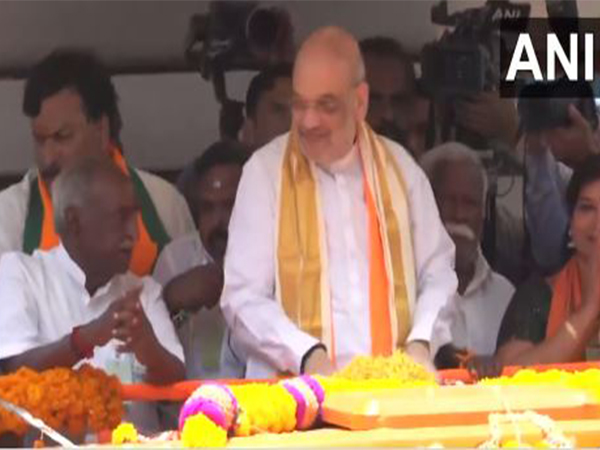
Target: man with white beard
point(459, 183)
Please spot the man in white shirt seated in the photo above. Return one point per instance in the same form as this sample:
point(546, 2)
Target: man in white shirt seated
point(72, 104)
point(78, 302)
point(191, 267)
point(335, 246)
point(459, 183)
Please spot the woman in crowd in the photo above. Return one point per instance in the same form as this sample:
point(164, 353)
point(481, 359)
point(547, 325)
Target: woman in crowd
point(555, 320)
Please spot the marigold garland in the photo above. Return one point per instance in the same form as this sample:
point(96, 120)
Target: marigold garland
point(73, 401)
point(293, 404)
point(214, 412)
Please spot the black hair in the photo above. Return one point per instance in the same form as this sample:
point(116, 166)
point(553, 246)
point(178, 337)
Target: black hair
point(387, 47)
point(227, 152)
point(78, 70)
point(263, 82)
point(587, 172)
point(220, 153)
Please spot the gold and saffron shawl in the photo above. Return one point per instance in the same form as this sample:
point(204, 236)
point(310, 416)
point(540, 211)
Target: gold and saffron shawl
point(302, 273)
point(39, 229)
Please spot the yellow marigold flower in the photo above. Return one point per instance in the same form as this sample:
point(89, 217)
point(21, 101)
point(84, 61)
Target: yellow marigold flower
point(200, 431)
point(124, 433)
point(243, 426)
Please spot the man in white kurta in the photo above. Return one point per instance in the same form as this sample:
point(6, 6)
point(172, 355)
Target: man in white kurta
point(190, 268)
point(475, 315)
point(78, 302)
point(44, 297)
point(259, 325)
point(467, 327)
point(72, 104)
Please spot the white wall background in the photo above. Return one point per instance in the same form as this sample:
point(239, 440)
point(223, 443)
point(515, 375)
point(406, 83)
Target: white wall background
point(169, 118)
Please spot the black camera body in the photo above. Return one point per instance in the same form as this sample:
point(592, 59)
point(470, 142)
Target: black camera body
point(455, 69)
point(545, 105)
point(466, 59)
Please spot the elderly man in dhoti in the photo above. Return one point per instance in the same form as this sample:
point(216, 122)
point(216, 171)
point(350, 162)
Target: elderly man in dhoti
point(336, 247)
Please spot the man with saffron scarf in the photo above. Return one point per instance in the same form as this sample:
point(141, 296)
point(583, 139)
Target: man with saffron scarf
point(336, 247)
point(72, 104)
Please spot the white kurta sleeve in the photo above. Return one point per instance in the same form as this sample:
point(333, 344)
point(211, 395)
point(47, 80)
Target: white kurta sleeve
point(14, 202)
point(442, 328)
point(165, 268)
point(434, 257)
point(170, 205)
point(19, 315)
point(258, 323)
point(158, 316)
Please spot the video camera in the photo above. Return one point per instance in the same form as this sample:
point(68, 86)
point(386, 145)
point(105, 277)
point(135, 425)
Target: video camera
point(237, 35)
point(545, 106)
point(466, 59)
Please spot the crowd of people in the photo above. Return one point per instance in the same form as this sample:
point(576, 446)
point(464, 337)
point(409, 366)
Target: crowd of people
point(337, 224)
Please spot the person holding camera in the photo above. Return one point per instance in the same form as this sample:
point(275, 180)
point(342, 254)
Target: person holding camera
point(559, 136)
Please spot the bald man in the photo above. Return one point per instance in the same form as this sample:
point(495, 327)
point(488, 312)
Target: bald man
point(335, 246)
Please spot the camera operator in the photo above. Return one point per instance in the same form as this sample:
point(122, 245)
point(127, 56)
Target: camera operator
point(551, 153)
point(493, 118)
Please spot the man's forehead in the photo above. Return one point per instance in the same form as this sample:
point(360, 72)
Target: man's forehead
point(280, 92)
point(220, 177)
point(461, 173)
point(322, 74)
point(317, 96)
point(59, 109)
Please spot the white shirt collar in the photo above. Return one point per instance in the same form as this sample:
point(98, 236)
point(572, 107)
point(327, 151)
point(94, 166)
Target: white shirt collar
point(481, 274)
point(348, 163)
point(69, 265)
point(116, 284)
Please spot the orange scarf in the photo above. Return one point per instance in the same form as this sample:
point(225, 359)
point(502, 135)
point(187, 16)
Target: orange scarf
point(381, 335)
point(146, 248)
point(566, 298)
point(302, 267)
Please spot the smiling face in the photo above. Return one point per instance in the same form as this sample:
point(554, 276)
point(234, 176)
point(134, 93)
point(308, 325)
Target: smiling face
point(585, 221)
point(330, 97)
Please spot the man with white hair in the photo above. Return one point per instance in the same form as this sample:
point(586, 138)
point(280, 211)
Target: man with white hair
point(335, 246)
point(459, 184)
point(78, 302)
